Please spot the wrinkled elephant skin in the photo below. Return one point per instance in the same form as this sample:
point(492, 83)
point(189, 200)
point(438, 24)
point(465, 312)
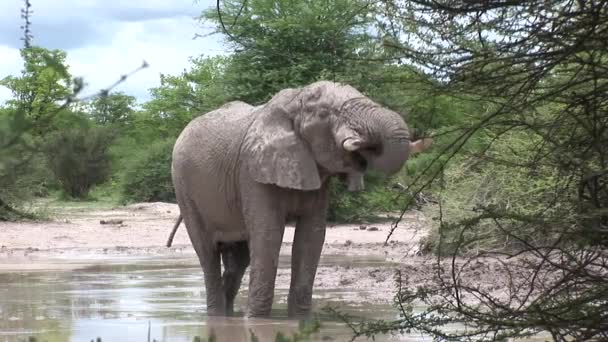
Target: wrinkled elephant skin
point(240, 171)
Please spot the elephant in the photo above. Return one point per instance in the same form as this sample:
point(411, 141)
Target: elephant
point(240, 172)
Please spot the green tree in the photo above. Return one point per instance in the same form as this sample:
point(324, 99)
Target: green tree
point(16, 168)
point(281, 44)
point(180, 98)
point(115, 109)
point(40, 95)
point(79, 158)
point(147, 175)
point(525, 180)
point(43, 103)
point(42, 87)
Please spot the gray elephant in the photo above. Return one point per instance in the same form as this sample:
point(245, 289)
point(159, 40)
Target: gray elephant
point(240, 172)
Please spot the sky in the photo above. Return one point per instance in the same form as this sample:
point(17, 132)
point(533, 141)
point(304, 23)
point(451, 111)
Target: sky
point(106, 38)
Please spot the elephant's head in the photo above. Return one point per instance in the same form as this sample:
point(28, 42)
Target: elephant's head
point(304, 135)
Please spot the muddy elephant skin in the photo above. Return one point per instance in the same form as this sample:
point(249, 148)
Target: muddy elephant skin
point(240, 171)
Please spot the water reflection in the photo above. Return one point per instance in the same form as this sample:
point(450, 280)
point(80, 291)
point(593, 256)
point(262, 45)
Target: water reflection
point(120, 299)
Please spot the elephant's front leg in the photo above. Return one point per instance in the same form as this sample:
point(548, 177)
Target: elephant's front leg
point(306, 252)
point(265, 219)
point(265, 247)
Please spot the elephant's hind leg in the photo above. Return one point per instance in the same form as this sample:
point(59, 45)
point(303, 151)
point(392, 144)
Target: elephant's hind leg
point(209, 256)
point(235, 256)
point(216, 301)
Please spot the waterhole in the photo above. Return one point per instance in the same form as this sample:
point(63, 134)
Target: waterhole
point(128, 298)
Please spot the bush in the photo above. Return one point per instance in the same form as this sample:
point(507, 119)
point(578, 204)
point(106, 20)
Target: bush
point(20, 176)
point(79, 158)
point(350, 207)
point(502, 181)
point(148, 176)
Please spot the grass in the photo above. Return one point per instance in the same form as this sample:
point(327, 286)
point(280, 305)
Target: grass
point(44, 208)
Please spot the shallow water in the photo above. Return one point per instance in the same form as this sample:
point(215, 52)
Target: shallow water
point(122, 298)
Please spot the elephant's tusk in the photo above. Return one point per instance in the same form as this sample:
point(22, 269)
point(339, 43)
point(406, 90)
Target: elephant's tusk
point(351, 144)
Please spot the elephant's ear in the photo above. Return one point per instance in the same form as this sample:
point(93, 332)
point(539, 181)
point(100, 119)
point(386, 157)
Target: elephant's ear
point(277, 155)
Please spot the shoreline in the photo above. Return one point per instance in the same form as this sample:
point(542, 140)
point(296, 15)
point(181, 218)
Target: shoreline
point(76, 238)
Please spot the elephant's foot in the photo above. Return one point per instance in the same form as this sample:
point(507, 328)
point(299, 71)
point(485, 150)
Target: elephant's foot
point(229, 307)
point(216, 307)
point(299, 313)
point(212, 311)
point(299, 302)
point(259, 309)
point(258, 313)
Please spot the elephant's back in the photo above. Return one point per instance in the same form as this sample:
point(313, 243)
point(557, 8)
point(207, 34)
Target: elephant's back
point(205, 161)
point(216, 129)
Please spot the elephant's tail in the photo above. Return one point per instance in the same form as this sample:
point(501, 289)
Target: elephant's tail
point(174, 230)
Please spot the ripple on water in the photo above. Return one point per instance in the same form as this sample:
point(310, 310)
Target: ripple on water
point(120, 298)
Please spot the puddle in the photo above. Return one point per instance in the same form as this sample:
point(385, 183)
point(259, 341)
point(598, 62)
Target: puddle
point(120, 298)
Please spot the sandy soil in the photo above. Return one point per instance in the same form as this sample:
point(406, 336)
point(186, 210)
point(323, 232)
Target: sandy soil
point(149, 224)
point(77, 232)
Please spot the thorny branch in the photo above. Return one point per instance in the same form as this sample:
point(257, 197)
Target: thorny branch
point(539, 67)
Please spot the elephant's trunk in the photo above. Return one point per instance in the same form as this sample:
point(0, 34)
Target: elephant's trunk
point(394, 142)
point(378, 135)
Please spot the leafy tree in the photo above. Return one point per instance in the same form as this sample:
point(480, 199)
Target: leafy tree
point(40, 94)
point(79, 158)
point(180, 98)
point(147, 176)
point(42, 104)
point(524, 181)
point(43, 85)
point(115, 109)
point(17, 180)
point(281, 44)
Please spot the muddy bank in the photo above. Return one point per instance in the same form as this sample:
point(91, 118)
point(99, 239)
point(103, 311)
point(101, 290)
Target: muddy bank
point(146, 226)
point(81, 236)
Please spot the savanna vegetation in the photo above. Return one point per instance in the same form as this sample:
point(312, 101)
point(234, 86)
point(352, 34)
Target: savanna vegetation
point(514, 93)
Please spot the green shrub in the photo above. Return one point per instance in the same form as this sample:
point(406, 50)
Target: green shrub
point(19, 172)
point(79, 158)
point(502, 181)
point(349, 207)
point(147, 177)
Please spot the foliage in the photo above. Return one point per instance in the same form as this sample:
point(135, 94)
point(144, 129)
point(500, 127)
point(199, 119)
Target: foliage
point(284, 44)
point(43, 85)
point(379, 197)
point(79, 158)
point(19, 179)
point(44, 102)
point(24, 121)
point(497, 180)
point(524, 181)
point(180, 98)
point(114, 109)
point(147, 176)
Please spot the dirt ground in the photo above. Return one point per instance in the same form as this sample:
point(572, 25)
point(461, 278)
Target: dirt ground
point(142, 229)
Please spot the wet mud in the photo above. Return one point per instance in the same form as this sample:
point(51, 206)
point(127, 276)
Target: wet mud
point(75, 278)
